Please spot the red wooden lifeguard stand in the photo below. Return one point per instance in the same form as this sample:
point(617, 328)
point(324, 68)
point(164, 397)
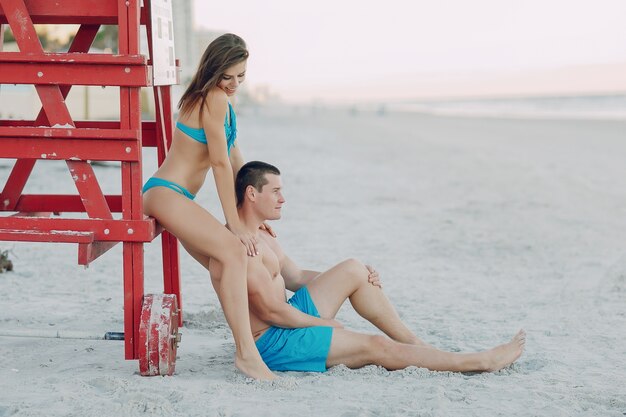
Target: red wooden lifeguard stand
point(55, 135)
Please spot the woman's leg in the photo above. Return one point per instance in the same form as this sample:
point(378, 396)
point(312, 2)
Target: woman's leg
point(229, 290)
point(205, 237)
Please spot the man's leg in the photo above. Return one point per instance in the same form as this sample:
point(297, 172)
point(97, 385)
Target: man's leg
point(357, 349)
point(348, 279)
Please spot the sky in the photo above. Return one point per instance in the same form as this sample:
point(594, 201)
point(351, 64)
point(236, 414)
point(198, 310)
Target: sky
point(335, 50)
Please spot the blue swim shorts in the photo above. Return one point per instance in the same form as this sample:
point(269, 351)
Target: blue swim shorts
point(304, 349)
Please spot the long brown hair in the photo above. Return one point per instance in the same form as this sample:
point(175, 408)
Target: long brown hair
point(221, 54)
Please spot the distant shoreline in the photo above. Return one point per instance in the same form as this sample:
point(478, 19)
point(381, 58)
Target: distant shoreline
point(576, 107)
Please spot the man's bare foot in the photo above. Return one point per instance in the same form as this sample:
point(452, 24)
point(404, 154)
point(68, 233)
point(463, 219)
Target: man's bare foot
point(504, 355)
point(254, 368)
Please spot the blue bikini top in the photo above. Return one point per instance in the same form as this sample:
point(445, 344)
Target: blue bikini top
point(229, 128)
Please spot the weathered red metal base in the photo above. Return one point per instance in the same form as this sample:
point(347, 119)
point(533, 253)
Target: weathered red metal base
point(158, 335)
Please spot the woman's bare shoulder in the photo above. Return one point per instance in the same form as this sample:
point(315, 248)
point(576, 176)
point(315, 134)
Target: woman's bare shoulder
point(216, 102)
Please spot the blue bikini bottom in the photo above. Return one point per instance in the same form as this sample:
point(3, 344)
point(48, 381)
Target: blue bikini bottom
point(160, 182)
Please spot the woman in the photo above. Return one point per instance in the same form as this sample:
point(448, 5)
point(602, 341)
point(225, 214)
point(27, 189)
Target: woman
point(204, 138)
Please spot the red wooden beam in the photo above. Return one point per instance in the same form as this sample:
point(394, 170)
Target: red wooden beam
point(72, 12)
point(15, 13)
point(16, 182)
point(110, 230)
point(32, 214)
point(148, 134)
point(53, 236)
point(20, 132)
point(74, 69)
point(89, 189)
point(89, 252)
point(29, 203)
point(70, 150)
point(148, 128)
point(133, 265)
point(72, 58)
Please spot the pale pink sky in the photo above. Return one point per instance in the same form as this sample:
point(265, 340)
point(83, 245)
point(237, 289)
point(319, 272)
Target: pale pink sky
point(350, 49)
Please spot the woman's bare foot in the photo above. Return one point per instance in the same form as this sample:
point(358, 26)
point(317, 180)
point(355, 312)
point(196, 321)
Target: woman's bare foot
point(504, 355)
point(254, 368)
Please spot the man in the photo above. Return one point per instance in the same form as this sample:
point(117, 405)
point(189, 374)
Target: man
point(302, 334)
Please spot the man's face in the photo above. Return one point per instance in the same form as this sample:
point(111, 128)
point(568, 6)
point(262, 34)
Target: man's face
point(270, 199)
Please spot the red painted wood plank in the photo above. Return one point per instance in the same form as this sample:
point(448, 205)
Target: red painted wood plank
point(69, 11)
point(133, 297)
point(148, 128)
point(53, 236)
point(148, 134)
point(73, 58)
point(18, 132)
point(60, 203)
point(160, 131)
point(89, 252)
point(136, 166)
point(110, 230)
point(74, 12)
point(168, 118)
point(171, 271)
point(84, 124)
point(84, 38)
point(75, 74)
point(54, 105)
point(70, 150)
point(138, 287)
point(17, 16)
point(15, 183)
point(89, 189)
point(134, 17)
point(33, 214)
point(122, 34)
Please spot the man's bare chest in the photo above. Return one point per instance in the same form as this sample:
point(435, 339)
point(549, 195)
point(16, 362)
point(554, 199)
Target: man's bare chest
point(270, 260)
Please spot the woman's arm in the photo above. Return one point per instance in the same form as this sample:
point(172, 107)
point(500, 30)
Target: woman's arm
point(213, 124)
point(236, 158)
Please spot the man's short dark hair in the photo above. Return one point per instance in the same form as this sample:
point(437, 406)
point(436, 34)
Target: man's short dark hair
point(253, 173)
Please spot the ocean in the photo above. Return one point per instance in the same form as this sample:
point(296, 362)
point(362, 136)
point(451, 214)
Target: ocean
point(605, 107)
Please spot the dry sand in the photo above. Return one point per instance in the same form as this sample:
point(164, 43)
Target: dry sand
point(477, 226)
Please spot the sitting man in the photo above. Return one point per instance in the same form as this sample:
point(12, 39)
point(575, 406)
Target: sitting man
point(302, 334)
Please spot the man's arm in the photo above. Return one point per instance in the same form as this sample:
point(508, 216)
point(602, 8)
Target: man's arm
point(295, 278)
point(270, 305)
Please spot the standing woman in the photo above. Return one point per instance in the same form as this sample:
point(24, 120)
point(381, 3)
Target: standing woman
point(204, 138)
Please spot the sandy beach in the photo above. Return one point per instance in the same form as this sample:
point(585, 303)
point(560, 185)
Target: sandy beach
point(478, 227)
